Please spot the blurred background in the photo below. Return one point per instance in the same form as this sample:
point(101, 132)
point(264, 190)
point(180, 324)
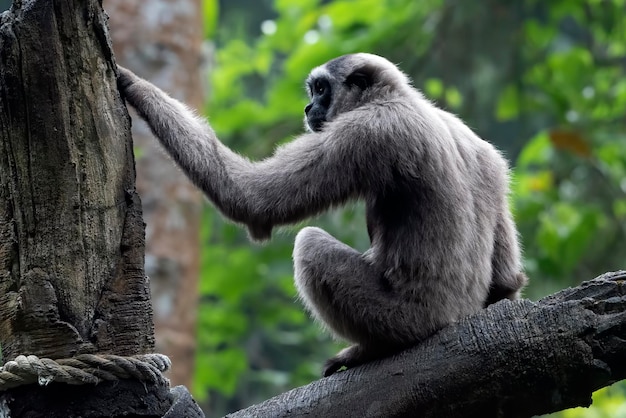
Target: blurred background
point(542, 80)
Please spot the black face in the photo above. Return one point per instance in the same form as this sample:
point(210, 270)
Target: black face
point(321, 97)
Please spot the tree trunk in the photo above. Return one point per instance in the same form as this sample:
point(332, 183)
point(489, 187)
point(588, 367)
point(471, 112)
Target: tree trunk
point(163, 44)
point(514, 359)
point(72, 276)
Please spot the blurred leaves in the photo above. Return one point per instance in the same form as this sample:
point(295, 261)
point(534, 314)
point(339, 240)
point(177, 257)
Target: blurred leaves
point(570, 176)
point(570, 141)
point(210, 13)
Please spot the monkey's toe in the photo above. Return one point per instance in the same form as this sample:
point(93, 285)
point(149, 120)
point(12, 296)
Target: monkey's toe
point(333, 365)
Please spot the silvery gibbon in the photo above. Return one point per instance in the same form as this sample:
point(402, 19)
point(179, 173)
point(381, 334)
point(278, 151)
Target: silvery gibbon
point(443, 241)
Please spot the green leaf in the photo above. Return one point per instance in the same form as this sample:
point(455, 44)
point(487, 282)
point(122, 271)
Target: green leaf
point(433, 87)
point(453, 97)
point(210, 14)
point(508, 104)
point(538, 152)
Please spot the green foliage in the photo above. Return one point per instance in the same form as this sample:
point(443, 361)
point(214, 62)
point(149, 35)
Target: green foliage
point(210, 11)
point(569, 185)
point(569, 178)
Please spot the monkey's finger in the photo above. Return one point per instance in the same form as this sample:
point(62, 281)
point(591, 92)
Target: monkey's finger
point(125, 78)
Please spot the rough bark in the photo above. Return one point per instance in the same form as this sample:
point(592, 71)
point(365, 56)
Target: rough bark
point(107, 399)
point(71, 233)
point(161, 41)
point(514, 359)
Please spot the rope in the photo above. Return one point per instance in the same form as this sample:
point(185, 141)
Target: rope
point(83, 369)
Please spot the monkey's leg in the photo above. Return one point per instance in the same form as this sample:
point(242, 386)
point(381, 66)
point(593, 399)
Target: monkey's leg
point(349, 295)
point(507, 276)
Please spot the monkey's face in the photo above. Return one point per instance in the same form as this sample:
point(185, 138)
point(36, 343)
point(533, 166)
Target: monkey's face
point(336, 87)
point(347, 82)
point(321, 94)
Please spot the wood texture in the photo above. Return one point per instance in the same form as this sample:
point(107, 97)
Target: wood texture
point(71, 234)
point(107, 399)
point(514, 359)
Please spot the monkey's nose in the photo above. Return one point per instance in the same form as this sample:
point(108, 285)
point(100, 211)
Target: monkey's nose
point(307, 108)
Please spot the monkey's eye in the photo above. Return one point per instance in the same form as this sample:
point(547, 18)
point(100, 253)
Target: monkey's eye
point(319, 88)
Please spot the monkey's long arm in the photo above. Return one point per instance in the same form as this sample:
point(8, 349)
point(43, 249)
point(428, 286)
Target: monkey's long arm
point(302, 178)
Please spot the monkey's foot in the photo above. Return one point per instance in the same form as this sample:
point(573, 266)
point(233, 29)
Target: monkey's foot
point(333, 365)
point(348, 357)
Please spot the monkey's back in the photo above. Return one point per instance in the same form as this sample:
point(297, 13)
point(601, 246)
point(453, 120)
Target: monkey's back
point(432, 227)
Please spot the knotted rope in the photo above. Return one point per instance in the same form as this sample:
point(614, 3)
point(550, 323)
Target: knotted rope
point(83, 369)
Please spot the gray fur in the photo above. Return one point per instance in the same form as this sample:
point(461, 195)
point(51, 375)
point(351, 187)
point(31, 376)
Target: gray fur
point(443, 243)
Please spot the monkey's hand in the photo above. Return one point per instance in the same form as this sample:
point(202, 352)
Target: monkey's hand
point(125, 79)
point(260, 232)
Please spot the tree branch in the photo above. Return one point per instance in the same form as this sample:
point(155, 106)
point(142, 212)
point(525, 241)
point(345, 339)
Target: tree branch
point(513, 359)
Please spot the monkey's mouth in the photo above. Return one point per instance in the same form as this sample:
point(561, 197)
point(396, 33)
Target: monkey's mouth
point(316, 124)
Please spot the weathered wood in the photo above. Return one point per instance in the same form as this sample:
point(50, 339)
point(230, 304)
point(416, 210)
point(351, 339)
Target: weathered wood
point(71, 232)
point(514, 359)
point(107, 399)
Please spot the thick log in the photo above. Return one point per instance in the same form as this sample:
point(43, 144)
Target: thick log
point(71, 232)
point(514, 359)
point(72, 275)
point(107, 399)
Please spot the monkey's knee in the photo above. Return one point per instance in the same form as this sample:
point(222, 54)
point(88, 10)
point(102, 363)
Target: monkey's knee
point(328, 275)
point(316, 253)
point(309, 242)
point(309, 260)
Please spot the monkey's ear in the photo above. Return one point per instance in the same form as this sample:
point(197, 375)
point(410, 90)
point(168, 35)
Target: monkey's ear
point(362, 77)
